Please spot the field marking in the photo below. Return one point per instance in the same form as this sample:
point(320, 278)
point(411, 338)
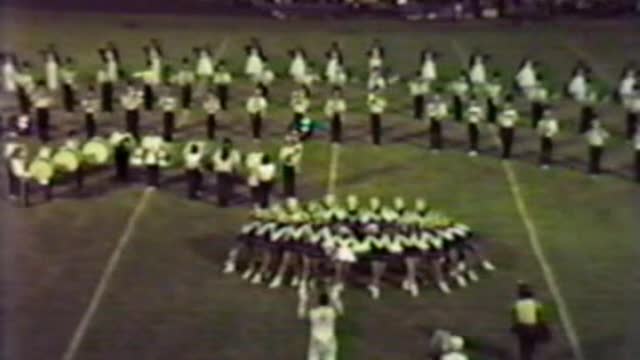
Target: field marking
point(534, 241)
point(124, 239)
point(333, 168)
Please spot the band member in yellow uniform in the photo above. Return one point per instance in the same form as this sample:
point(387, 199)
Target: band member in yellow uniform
point(193, 154)
point(377, 104)
point(131, 101)
point(547, 129)
point(68, 74)
point(225, 163)
point(185, 79)
point(596, 138)
point(222, 80)
point(290, 157)
point(418, 88)
point(211, 105)
point(507, 120)
point(437, 111)
point(168, 104)
point(257, 108)
point(90, 105)
point(334, 109)
point(475, 115)
point(266, 177)
point(42, 102)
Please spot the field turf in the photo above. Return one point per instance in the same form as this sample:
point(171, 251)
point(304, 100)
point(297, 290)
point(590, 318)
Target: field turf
point(167, 299)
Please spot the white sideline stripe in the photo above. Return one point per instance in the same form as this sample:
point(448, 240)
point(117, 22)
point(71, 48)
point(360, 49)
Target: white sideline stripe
point(333, 168)
point(85, 321)
point(532, 232)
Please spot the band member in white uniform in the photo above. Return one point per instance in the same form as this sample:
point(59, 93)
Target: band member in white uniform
point(256, 107)
point(225, 163)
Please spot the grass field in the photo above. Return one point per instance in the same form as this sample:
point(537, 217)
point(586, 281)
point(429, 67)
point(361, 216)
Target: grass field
point(166, 297)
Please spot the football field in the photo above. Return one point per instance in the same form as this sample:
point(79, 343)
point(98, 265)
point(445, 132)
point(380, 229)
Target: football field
point(121, 272)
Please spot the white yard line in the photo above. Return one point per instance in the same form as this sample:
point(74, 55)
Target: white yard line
point(124, 239)
point(88, 315)
point(534, 241)
point(333, 168)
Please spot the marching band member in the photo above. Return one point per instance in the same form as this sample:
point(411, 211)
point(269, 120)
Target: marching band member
point(475, 115)
point(222, 80)
point(14, 150)
point(376, 55)
point(149, 81)
point(377, 104)
point(266, 176)
point(596, 138)
point(539, 97)
point(418, 88)
point(323, 342)
point(437, 111)
point(547, 129)
point(45, 180)
point(298, 65)
point(106, 91)
point(155, 156)
point(587, 112)
point(334, 109)
point(459, 88)
point(376, 79)
point(627, 83)
point(90, 106)
point(111, 59)
point(123, 144)
point(131, 101)
point(529, 326)
point(52, 68)
point(299, 103)
point(252, 164)
point(184, 79)
point(507, 120)
point(204, 63)
point(72, 144)
point(211, 105)
point(632, 105)
point(477, 70)
point(42, 102)
point(264, 79)
point(290, 157)
point(254, 64)
point(9, 72)
point(334, 72)
point(154, 54)
point(493, 92)
point(428, 66)
point(68, 74)
point(225, 162)
point(578, 86)
point(193, 154)
point(23, 124)
point(26, 85)
point(257, 107)
point(168, 104)
point(527, 76)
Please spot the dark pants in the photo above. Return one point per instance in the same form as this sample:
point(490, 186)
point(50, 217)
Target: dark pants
point(637, 165)
point(256, 125)
point(418, 107)
point(148, 97)
point(90, 125)
point(169, 123)
point(107, 96)
point(265, 193)
point(14, 182)
point(546, 150)
point(68, 97)
point(211, 126)
point(254, 192)
point(586, 118)
point(473, 136)
point(537, 110)
point(376, 128)
point(435, 134)
point(595, 155)
point(265, 90)
point(194, 182)
point(506, 137)
point(24, 101)
point(121, 159)
point(527, 341)
point(492, 111)
point(336, 128)
point(457, 108)
point(186, 96)
point(289, 180)
point(223, 95)
point(224, 188)
point(132, 119)
point(153, 175)
point(42, 120)
point(632, 124)
point(79, 178)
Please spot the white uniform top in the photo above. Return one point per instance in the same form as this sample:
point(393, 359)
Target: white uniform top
point(9, 148)
point(300, 103)
point(42, 100)
point(192, 160)
point(454, 356)
point(225, 165)
point(90, 104)
point(204, 65)
point(252, 163)
point(429, 71)
point(526, 77)
point(298, 67)
point(597, 136)
point(548, 127)
point(437, 109)
point(335, 106)
point(266, 76)
point(508, 118)
point(578, 87)
point(478, 73)
point(19, 167)
point(474, 114)
point(254, 64)
point(376, 81)
point(375, 59)
point(51, 71)
point(184, 77)
point(168, 103)
point(376, 103)
point(156, 66)
point(626, 87)
point(266, 172)
point(9, 76)
point(222, 78)
point(256, 104)
point(211, 104)
point(323, 320)
point(291, 155)
point(131, 100)
point(112, 70)
point(332, 68)
point(636, 141)
point(633, 103)
point(25, 80)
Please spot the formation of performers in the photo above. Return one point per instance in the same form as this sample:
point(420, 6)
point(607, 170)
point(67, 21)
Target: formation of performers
point(49, 166)
point(475, 97)
point(299, 242)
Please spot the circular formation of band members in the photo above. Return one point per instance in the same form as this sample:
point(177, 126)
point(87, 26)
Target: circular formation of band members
point(475, 97)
